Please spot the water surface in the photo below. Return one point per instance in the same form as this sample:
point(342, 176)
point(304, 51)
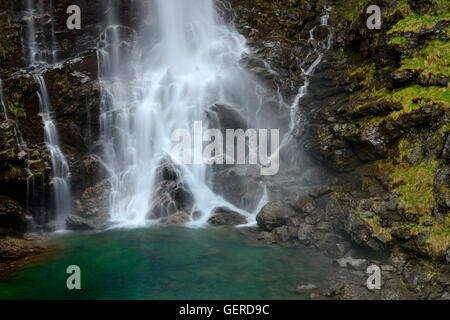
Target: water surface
point(165, 263)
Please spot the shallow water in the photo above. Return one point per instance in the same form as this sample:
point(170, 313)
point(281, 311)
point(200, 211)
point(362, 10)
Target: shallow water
point(166, 263)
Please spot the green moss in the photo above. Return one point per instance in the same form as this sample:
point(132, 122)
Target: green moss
point(415, 23)
point(401, 42)
point(12, 173)
point(416, 96)
point(434, 59)
point(416, 187)
point(16, 104)
point(63, 85)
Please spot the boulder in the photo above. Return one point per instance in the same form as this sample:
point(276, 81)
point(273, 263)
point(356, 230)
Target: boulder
point(179, 218)
point(171, 194)
point(78, 223)
point(224, 216)
point(274, 214)
point(349, 262)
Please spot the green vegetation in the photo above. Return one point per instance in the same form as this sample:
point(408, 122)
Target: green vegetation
point(16, 105)
point(416, 23)
point(434, 59)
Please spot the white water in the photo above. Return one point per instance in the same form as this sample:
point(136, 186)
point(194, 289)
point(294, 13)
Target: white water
point(190, 64)
point(2, 101)
point(60, 179)
point(35, 53)
point(318, 49)
point(39, 53)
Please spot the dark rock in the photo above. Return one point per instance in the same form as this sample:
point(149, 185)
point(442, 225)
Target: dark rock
point(12, 215)
point(77, 223)
point(274, 214)
point(226, 217)
point(171, 193)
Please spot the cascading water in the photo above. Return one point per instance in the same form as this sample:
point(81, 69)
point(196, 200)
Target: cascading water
point(318, 48)
point(187, 63)
point(2, 101)
point(39, 52)
point(60, 170)
point(34, 51)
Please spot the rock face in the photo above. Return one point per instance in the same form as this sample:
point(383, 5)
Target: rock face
point(12, 215)
point(226, 217)
point(274, 214)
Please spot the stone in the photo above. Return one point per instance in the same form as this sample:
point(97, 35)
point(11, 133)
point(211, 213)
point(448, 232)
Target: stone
point(349, 262)
point(78, 223)
point(305, 233)
point(274, 214)
point(387, 268)
point(179, 218)
point(224, 216)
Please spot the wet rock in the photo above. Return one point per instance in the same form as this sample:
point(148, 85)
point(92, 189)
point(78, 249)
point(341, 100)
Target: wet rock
point(226, 117)
point(305, 233)
point(349, 262)
point(241, 185)
point(94, 201)
point(344, 219)
point(226, 217)
point(267, 237)
point(274, 214)
point(285, 233)
point(171, 193)
point(77, 223)
point(176, 219)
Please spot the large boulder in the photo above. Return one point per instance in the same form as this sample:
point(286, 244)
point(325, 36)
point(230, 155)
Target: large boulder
point(179, 218)
point(274, 214)
point(171, 194)
point(225, 217)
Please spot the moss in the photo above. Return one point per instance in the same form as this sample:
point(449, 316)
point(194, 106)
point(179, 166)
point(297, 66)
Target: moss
point(377, 229)
point(439, 236)
point(400, 41)
point(16, 105)
point(365, 74)
point(416, 188)
point(63, 85)
point(416, 23)
point(434, 59)
point(416, 96)
point(12, 173)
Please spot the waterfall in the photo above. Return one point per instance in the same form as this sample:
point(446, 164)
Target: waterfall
point(40, 51)
point(36, 52)
point(185, 63)
point(2, 101)
point(60, 179)
point(318, 48)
